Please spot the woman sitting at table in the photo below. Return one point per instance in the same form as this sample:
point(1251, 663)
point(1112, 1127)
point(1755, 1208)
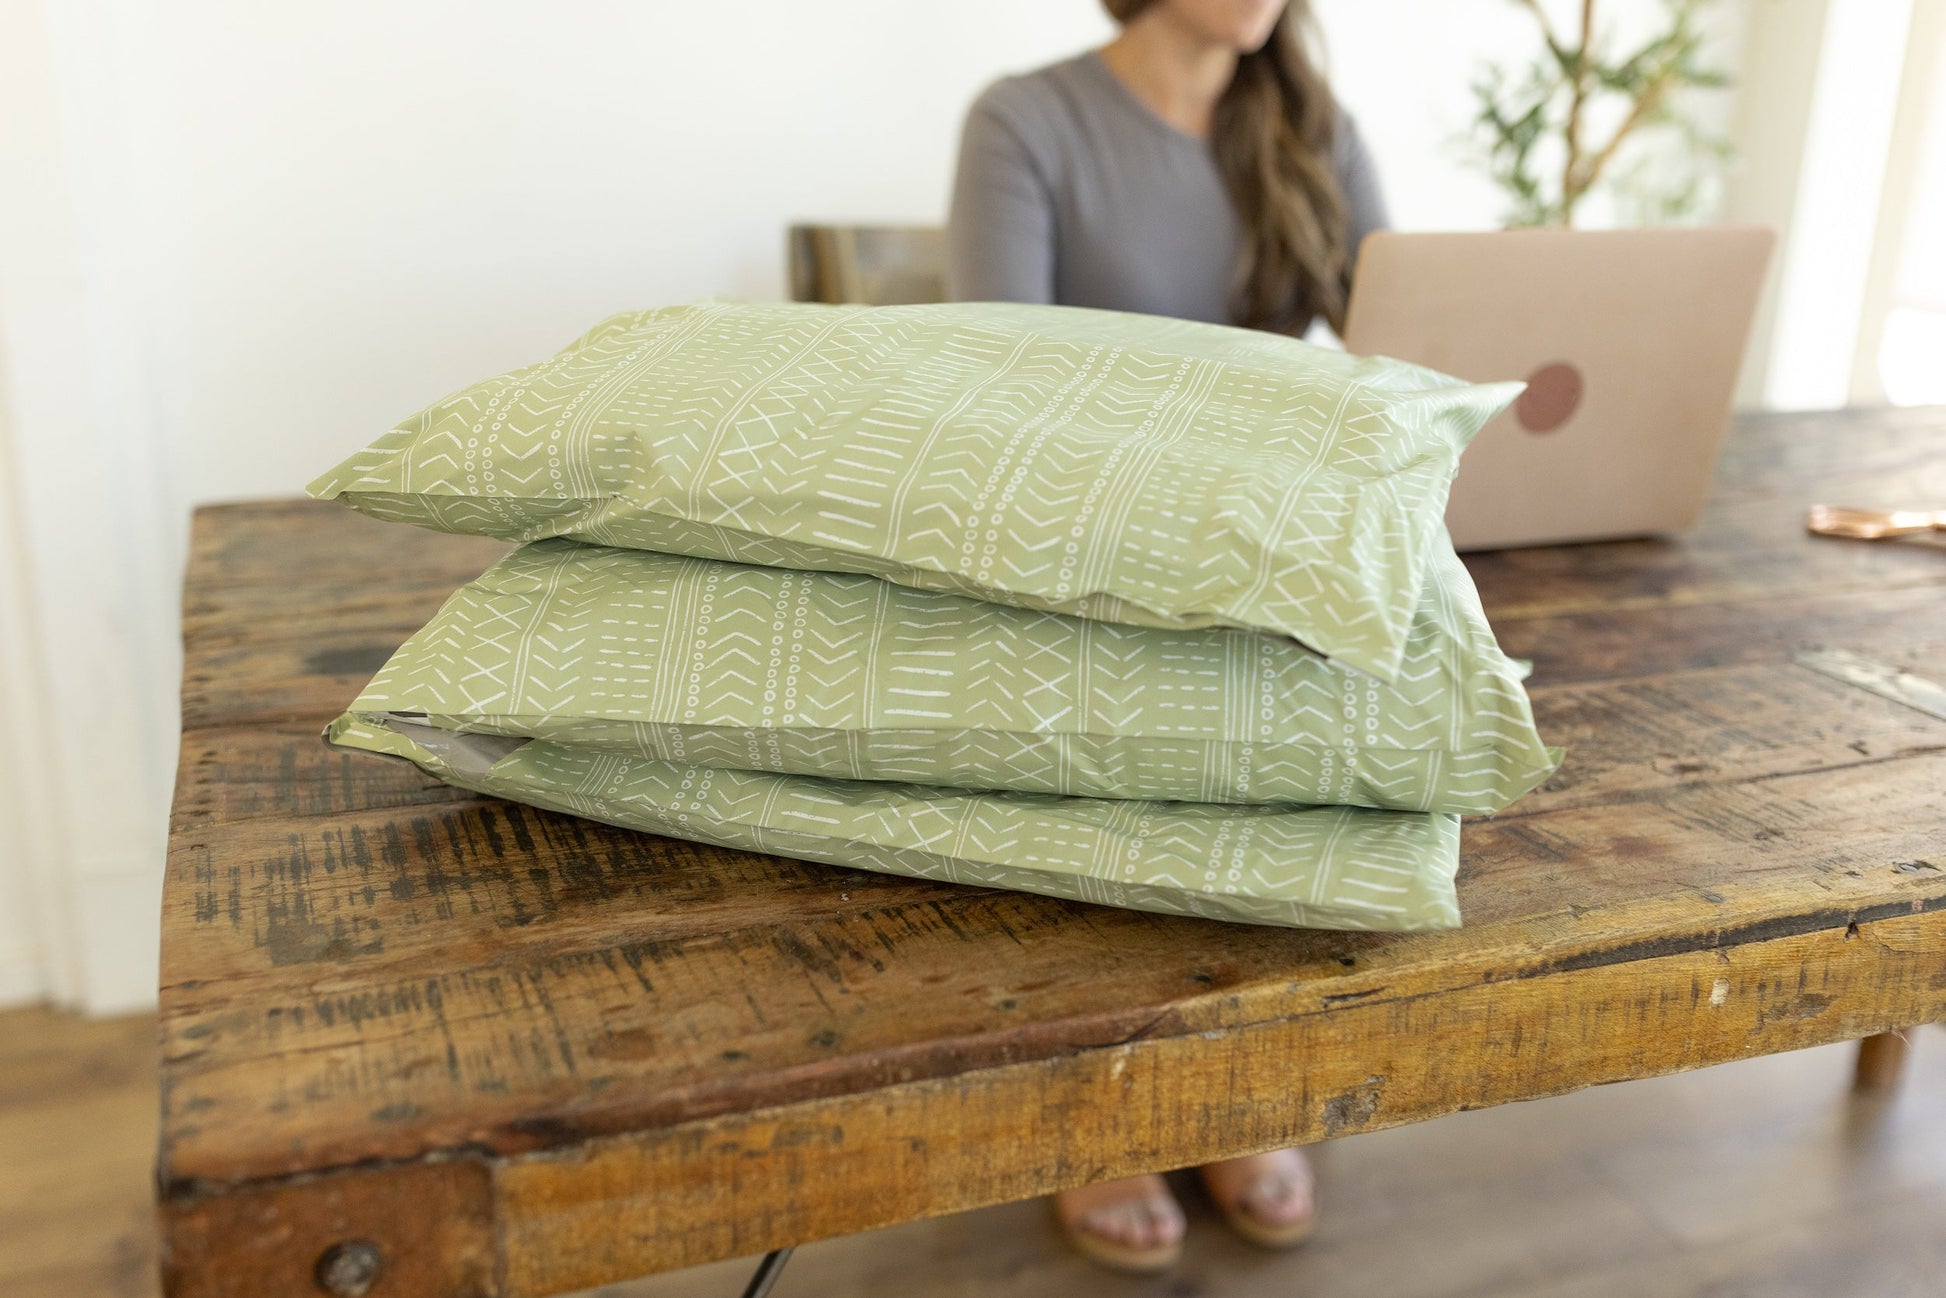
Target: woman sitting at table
point(1195, 166)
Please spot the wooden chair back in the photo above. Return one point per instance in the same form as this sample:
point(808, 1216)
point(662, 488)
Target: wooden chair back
point(877, 265)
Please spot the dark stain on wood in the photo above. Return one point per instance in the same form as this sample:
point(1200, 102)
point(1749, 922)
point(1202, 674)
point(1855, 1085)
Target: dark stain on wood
point(1741, 935)
point(1353, 1110)
point(349, 660)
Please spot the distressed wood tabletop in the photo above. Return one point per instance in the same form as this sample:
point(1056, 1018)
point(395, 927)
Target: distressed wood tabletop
point(503, 1052)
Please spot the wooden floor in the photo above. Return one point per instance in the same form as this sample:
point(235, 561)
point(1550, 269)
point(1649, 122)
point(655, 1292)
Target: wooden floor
point(1755, 1180)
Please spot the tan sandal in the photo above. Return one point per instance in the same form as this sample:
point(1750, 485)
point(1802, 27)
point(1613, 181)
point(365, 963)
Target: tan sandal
point(1073, 1213)
point(1251, 1224)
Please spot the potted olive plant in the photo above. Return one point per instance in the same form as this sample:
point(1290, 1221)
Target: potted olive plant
point(1583, 115)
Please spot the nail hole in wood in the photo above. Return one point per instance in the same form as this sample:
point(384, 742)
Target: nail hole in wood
point(349, 1268)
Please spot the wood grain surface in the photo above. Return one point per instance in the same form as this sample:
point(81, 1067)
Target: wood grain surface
point(613, 1053)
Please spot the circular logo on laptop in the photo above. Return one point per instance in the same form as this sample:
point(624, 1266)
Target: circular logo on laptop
point(1553, 392)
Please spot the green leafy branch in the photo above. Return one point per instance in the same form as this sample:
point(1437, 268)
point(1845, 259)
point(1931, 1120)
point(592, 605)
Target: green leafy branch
point(1552, 100)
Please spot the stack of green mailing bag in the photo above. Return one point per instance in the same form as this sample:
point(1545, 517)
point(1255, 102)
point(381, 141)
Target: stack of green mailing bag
point(1108, 607)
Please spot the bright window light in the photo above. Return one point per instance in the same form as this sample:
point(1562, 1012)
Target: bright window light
point(1912, 358)
point(1830, 244)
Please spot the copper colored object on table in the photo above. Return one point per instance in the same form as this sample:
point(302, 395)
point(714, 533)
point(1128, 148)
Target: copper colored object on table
point(1872, 524)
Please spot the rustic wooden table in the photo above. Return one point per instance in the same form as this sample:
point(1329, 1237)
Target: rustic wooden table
point(493, 1051)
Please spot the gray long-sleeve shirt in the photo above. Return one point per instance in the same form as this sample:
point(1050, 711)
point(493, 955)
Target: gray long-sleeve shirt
point(1071, 190)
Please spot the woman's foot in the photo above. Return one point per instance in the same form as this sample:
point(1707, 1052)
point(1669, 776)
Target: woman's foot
point(1130, 1225)
point(1269, 1199)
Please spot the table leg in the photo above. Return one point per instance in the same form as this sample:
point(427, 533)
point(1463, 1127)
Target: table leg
point(767, 1272)
point(1881, 1060)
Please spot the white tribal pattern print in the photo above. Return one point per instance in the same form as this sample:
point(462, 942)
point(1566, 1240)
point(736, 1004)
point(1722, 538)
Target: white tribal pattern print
point(1117, 467)
point(1308, 867)
point(718, 664)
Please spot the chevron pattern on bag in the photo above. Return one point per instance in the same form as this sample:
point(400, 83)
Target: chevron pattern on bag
point(1124, 468)
point(1305, 867)
point(724, 665)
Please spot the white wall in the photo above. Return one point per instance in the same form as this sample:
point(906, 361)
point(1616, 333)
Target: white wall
point(90, 654)
point(1411, 98)
point(359, 207)
point(30, 966)
point(239, 238)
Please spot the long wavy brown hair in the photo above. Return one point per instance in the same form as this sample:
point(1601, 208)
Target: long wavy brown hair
point(1272, 136)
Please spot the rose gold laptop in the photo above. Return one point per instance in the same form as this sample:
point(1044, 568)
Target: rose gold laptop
point(1630, 342)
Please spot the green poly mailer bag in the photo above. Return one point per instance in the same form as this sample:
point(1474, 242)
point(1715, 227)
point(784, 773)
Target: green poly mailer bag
point(836, 675)
point(1121, 467)
point(1303, 867)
